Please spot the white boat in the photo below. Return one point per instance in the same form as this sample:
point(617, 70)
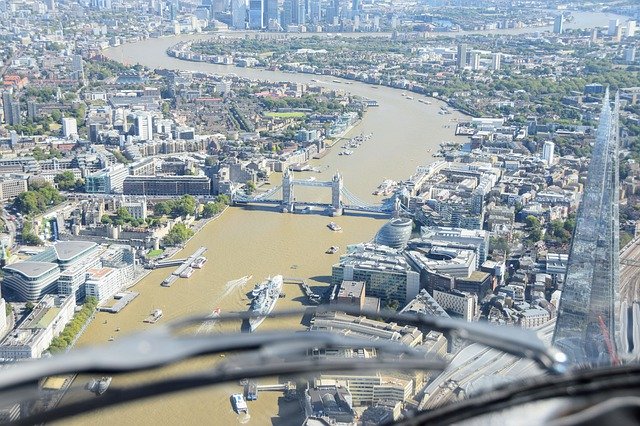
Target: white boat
point(154, 316)
point(199, 262)
point(410, 98)
point(334, 226)
point(332, 250)
point(188, 271)
point(239, 404)
point(266, 301)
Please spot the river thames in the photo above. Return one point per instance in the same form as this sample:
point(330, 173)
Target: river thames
point(260, 242)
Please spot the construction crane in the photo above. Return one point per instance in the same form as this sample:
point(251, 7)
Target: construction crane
point(607, 340)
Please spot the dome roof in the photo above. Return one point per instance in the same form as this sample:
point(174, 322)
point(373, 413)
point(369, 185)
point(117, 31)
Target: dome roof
point(395, 233)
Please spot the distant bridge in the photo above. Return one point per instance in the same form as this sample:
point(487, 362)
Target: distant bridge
point(341, 198)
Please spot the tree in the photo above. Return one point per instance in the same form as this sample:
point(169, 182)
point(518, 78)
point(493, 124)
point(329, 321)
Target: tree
point(212, 209)
point(66, 180)
point(178, 235)
point(162, 208)
point(250, 186)
point(29, 306)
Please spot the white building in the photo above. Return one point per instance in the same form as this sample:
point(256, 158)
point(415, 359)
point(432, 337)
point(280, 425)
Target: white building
point(69, 127)
point(144, 126)
point(547, 152)
point(458, 302)
point(631, 28)
point(496, 61)
point(370, 389)
point(46, 321)
point(103, 283)
point(136, 208)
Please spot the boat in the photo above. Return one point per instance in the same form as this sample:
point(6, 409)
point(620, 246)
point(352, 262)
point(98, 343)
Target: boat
point(410, 98)
point(215, 313)
point(199, 262)
point(99, 386)
point(118, 329)
point(334, 226)
point(332, 249)
point(239, 404)
point(111, 339)
point(251, 390)
point(266, 300)
point(154, 316)
point(188, 271)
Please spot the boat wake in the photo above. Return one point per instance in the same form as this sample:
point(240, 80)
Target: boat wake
point(232, 285)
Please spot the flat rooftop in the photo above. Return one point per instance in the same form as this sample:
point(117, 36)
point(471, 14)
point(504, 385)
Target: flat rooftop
point(68, 250)
point(32, 269)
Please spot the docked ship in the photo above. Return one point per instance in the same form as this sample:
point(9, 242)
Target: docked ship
point(188, 271)
point(265, 301)
point(199, 262)
point(239, 404)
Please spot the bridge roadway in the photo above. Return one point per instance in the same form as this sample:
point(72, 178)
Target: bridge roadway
point(630, 272)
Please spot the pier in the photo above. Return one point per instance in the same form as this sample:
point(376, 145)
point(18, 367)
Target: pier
point(183, 264)
point(314, 298)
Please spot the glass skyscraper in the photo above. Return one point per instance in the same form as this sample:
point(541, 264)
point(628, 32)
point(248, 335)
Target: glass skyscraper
point(586, 327)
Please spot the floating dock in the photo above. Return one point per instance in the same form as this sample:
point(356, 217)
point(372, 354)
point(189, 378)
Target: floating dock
point(122, 300)
point(314, 298)
point(183, 265)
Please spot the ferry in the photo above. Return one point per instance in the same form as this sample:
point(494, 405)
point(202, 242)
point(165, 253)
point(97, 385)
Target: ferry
point(266, 300)
point(199, 262)
point(332, 250)
point(188, 271)
point(334, 226)
point(239, 404)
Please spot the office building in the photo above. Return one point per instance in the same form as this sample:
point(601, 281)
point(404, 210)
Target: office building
point(103, 283)
point(12, 185)
point(167, 185)
point(350, 293)
point(462, 56)
point(385, 271)
point(369, 389)
point(613, 27)
point(11, 109)
point(458, 303)
point(270, 12)
point(34, 335)
point(107, 181)
point(587, 324)
point(256, 14)
point(144, 126)
point(238, 14)
point(395, 233)
point(471, 239)
point(630, 54)
point(298, 12)
point(548, 152)
point(69, 127)
point(558, 24)
point(31, 280)
point(631, 28)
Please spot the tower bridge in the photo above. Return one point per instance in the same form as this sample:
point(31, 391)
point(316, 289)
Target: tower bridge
point(341, 198)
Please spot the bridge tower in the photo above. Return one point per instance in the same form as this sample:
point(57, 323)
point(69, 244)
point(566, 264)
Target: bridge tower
point(336, 194)
point(287, 191)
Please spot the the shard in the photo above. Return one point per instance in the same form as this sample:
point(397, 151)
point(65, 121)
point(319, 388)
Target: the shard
point(586, 326)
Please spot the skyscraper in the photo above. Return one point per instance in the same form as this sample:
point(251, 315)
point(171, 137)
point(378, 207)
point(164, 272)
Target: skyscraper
point(631, 28)
point(286, 17)
point(238, 13)
point(11, 109)
point(547, 152)
point(613, 26)
point(462, 56)
point(298, 15)
point(558, 24)
point(475, 60)
point(496, 61)
point(587, 320)
point(270, 11)
point(256, 14)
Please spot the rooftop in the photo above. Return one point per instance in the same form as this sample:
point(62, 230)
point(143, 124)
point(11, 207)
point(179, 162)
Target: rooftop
point(32, 269)
point(68, 250)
